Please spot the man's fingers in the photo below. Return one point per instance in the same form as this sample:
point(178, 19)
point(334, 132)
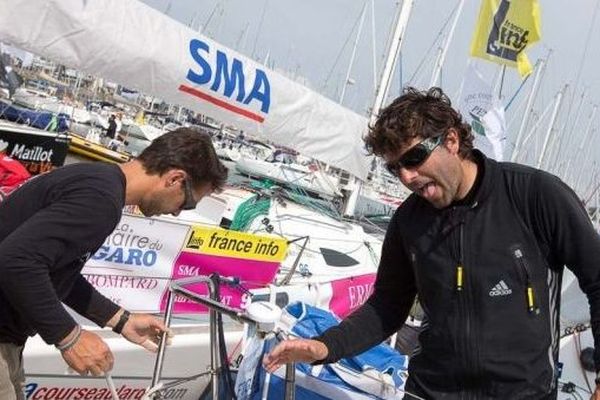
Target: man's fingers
point(159, 337)
point(150, 346)
point(157, 324)
point(271, 364)
point(278, 350)
point(294, 351)
point(96, 370)
point(276, 358)
point(80, 370)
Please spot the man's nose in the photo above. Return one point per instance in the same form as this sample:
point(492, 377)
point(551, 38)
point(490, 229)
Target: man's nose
point(407, 175)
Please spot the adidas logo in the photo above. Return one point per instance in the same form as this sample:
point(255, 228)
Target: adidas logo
point(501, 289)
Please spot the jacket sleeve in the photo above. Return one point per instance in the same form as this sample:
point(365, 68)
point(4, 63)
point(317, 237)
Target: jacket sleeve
point(386, 309)
point(568, 231)
point(90, 303)
point(30, 254)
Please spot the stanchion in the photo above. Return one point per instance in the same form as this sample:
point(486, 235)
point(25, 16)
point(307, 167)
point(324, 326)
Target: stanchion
point(212, 302)
point(290, 381)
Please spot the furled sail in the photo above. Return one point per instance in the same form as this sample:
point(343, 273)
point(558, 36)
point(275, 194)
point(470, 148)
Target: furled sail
point(135, 45)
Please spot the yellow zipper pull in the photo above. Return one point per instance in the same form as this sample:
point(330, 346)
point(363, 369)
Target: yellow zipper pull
point(459, 277)
point(530, 301)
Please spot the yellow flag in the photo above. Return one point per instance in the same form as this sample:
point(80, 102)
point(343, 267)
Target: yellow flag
point(504, 30)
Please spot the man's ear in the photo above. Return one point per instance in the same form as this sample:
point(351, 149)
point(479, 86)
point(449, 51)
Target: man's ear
point(452, 141)
point(173, 177)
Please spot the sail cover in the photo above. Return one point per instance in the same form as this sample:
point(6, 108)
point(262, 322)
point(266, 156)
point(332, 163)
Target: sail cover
point(130, 43)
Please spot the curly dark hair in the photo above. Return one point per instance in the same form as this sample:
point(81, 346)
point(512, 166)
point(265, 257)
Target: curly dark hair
point(190, 150)
point(417, 114)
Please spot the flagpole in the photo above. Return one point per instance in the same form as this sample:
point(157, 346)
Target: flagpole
point(514, 96)
point(502, 74)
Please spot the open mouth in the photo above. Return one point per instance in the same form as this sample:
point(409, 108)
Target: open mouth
point(426, 190)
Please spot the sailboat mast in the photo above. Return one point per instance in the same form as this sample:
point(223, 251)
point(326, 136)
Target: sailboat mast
point(401, 22)
point(558, 148)
point(529, 108)
point(353, 55)
point(585, 144)
point(557, 103)
point(392, 55)
point(373, 45)
point(442, 56)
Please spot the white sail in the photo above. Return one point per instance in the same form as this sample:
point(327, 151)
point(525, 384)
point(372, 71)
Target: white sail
point(133, 44)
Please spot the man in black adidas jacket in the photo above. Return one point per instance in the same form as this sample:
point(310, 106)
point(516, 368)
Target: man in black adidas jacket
point(483, 244)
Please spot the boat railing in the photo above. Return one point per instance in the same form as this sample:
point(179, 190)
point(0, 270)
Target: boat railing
point(213, 282)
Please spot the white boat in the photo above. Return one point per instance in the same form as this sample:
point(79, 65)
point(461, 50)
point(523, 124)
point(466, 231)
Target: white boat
point(323, 253)
point(143, 131)
point(48, 376)
point(331, 263)
point(98, 120)
point(312, 180)
point(76, 114)
point(576, 379)
point(336, 260)
point(33, 99)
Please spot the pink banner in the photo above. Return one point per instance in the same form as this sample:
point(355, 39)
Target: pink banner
point(252, 274)
point(349, 294)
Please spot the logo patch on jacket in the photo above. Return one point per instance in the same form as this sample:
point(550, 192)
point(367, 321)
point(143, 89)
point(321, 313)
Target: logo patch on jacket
point(500, 289)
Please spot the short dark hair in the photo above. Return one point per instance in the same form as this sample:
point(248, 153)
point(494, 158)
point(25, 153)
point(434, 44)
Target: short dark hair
point(190, 150)
point(417, 114)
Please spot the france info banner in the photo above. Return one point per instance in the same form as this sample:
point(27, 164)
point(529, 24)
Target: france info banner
point(141, 256)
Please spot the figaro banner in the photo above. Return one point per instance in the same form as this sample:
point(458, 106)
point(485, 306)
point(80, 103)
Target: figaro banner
point(504, 30)
point(141, 256)
point(155, 54)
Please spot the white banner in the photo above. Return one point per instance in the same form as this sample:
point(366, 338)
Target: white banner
point(484, 112)
point(141, 256)
point(137, 46)
point(134, 265)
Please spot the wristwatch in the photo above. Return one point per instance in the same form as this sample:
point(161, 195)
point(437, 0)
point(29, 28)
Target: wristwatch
point(122, 321)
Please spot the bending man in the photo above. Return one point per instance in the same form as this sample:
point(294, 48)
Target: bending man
point(52, 225)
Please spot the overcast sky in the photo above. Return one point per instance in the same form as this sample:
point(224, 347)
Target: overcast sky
point(313, 39)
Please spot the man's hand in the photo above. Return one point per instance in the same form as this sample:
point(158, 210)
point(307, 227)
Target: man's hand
point(596, 394)
point(89, 354)
point(288, 351)
point(145, 330)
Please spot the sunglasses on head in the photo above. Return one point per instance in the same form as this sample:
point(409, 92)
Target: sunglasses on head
point(189, 203)
point(416, 155)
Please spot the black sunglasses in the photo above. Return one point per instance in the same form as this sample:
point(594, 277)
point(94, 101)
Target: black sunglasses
point(189, 203)
point(416, 155)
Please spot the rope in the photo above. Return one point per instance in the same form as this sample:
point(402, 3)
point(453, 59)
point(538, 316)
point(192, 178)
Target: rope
point(248, 211)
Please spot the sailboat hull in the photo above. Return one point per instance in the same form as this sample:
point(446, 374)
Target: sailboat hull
point(47, 375)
